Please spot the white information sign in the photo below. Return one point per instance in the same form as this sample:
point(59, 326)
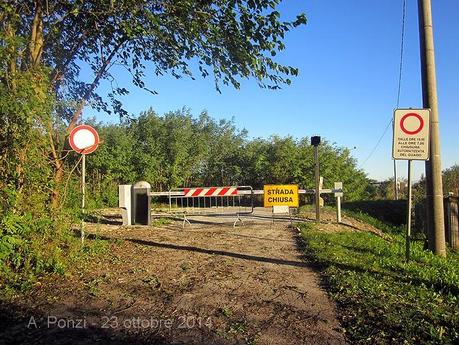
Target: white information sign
point(411, 134)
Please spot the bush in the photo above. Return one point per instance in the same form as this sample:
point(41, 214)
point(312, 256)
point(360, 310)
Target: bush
point(27, 249)
point(389, 211)
point(32, 246)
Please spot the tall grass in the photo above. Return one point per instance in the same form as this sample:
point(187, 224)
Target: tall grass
point(382, 298)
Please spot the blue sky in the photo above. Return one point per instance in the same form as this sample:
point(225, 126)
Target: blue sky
point(348, 55)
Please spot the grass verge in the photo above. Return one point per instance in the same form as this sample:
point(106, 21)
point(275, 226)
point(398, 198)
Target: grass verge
point(383, 299)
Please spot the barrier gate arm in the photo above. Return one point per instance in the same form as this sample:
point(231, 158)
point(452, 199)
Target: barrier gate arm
point(188, 196)
point(241, 191)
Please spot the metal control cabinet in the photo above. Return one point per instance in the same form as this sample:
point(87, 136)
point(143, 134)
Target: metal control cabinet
point(125, 203)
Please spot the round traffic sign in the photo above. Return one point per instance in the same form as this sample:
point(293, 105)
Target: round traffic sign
point(84, 139)
point(411, 123)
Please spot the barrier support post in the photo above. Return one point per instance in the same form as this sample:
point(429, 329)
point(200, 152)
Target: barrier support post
point(239, 219)
point(185, 220)
point(338, 209)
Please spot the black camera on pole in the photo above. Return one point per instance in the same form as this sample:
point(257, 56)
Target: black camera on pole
point(315, 141)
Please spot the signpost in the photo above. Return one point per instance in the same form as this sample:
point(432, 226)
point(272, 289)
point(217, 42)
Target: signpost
point(338, 188)
point(83, 139)
point(411, 142)
point(315, 141)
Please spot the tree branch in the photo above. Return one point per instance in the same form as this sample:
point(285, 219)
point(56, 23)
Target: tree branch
point(36, 37)
point(93, 86)
point(59, 70)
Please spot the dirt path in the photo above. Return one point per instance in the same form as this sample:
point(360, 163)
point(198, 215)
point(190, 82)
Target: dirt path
point(207, 284)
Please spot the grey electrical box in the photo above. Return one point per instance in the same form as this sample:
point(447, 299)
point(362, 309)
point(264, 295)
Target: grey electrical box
point(141, 203)
point(125, 203)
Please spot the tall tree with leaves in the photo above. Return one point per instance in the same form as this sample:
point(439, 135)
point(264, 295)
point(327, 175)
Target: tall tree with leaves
point(228, 39)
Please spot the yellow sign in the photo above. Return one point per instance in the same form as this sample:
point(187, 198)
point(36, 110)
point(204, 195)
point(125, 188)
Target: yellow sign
point(280, 195)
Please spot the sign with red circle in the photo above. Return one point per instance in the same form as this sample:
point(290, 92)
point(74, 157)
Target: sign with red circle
point(84, 139)
point(411, 134)
point(419, 123)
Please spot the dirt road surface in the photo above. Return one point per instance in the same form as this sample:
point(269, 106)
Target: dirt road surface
point(206, 284)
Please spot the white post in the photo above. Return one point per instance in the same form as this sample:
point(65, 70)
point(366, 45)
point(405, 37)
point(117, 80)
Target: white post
point(338, 190)
point(338, 209)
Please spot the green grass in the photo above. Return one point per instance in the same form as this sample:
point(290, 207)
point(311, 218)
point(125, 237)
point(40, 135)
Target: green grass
point(158, 222)
point(383, 299)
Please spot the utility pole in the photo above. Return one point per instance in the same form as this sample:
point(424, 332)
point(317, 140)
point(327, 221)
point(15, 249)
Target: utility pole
point(434, 188)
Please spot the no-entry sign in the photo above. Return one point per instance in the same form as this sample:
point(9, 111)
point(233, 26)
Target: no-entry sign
point(411, 134)
point(84, 139)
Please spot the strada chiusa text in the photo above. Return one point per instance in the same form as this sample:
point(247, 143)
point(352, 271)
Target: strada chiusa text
point(280, 195)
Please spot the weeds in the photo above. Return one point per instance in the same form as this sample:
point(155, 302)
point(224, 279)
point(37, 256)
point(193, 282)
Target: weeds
point(32, 246)
point(382, 298)
point(226, 312)
point(161, 221)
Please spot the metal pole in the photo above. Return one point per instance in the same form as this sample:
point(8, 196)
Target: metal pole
point(316, 159)
point(83, 191)
point(395, 180)
point(408, 215)
point(434, 188)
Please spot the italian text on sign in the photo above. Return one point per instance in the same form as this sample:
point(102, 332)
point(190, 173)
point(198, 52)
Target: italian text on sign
point(280, 195)
point(411, 134)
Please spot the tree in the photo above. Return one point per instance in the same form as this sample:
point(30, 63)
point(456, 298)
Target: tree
point(385, 190)
point(451, 180)
point(178, 149)
point(224, 150)
point(227, 39)
point(450, 177)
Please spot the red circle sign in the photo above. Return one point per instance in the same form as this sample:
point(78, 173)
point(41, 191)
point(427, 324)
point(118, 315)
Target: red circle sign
point(414, 131)
point(84, 139)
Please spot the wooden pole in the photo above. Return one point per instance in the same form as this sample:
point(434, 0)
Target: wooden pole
point(452, 222)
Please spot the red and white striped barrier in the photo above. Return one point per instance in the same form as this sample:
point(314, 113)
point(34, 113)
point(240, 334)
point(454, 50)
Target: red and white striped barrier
point(209, 191)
